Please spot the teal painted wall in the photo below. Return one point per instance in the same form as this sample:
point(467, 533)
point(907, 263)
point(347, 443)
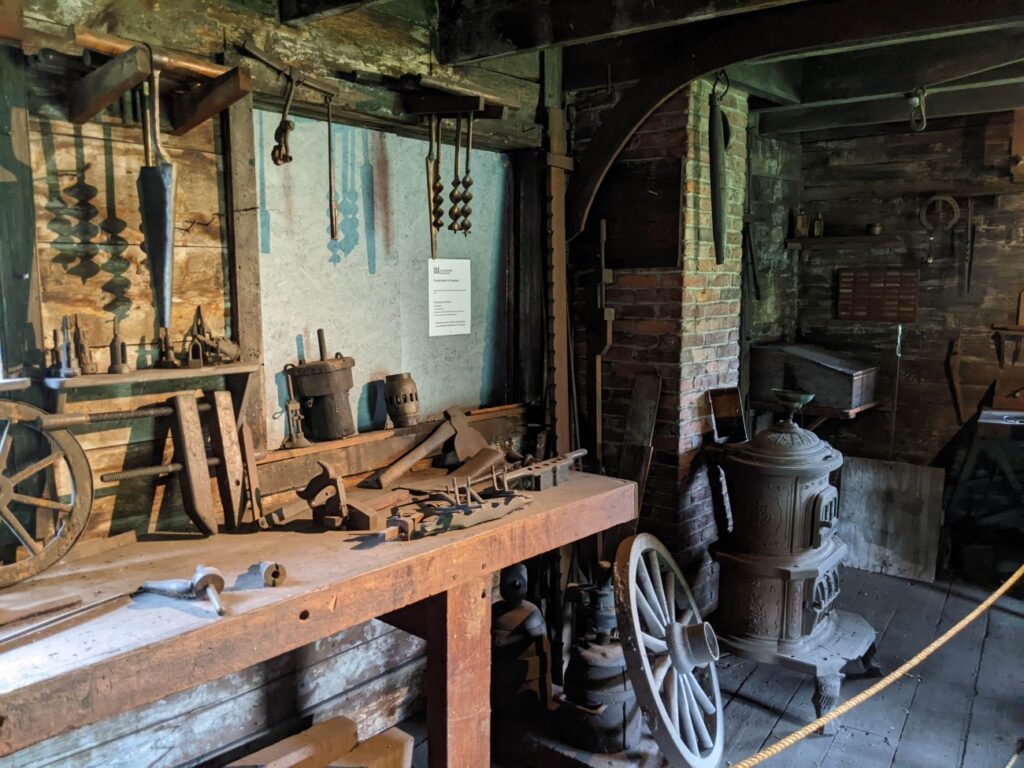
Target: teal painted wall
point(369, 289)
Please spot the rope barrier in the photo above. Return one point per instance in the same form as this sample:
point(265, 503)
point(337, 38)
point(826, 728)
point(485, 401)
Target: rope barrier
point(885, 682)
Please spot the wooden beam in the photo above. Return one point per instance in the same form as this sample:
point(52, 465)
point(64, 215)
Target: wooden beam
point(557, 257)
point(473, 31)
point(901, 68)
point(712, 45)
point(12, 21)
point(244, 241)
point(441, 103)
point(21, 313)
point(305, 11)
point(778, 82)
point(1017, 146)
point(105, 85)
point(199, 104)
point(890, 109)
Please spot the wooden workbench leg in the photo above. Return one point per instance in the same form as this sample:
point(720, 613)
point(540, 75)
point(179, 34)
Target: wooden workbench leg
point(459, 676)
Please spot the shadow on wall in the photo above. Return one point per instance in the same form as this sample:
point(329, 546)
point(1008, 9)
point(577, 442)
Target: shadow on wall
point(372, 413)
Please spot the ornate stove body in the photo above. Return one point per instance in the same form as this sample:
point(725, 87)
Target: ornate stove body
point(779, 566)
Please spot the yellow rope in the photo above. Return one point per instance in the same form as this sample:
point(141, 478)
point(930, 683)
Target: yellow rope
point(885, 682)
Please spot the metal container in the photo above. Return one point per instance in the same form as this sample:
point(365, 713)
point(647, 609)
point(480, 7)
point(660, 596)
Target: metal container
point(402, 399)
point(322, 389)
point(838, 380)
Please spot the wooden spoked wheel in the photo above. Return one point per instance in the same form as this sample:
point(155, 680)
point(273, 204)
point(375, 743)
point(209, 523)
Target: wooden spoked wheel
point(670, 653)
point(45, 493)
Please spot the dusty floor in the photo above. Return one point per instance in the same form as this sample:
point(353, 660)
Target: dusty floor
point(962, 707)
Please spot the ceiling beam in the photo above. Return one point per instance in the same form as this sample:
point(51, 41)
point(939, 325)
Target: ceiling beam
point(305, 11)
point(975, 100)
point(778, 82)
point(709, 46)
point(473, 31)
point(901, 68)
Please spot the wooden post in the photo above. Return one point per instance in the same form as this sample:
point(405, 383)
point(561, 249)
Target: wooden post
point(243, 207)
point(20, 299)
point(459, 676)
point(558, 289)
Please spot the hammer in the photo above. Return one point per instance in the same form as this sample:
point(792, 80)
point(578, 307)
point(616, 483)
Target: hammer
point(468, 442)
point(205, 582)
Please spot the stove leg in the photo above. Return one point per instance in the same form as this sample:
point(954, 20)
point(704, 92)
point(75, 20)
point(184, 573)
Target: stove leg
point(826, 696)
point(871, 667)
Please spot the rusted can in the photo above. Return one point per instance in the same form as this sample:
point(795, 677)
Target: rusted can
point(322, 388)
point(402, 399)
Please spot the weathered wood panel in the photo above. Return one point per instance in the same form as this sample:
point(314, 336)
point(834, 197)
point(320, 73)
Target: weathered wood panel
point(372, 673)
point(392, 40)
point(890, 515)
point(862, 176)
point(774, 192)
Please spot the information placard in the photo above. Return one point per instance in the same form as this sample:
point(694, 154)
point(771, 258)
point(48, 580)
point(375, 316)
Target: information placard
point(450, 308)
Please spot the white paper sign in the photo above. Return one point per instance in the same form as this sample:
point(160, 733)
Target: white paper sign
point(449, 307)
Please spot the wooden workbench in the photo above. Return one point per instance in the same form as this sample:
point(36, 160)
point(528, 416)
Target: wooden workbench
point(148, 647)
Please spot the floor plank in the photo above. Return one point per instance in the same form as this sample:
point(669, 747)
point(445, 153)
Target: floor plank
point(756, 707)
point(998, 709)
point(912, 627)
point(936, 727)
point(852, 748)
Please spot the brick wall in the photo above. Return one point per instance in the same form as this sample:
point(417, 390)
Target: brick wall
point(681, 322)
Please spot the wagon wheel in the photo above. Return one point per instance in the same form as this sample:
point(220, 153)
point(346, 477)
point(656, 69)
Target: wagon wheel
point(45, 493)
point(670, 653)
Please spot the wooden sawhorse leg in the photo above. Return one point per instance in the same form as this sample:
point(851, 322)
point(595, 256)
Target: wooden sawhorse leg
point(458, 679)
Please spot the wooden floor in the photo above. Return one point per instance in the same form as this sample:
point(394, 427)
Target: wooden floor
point(964, 707)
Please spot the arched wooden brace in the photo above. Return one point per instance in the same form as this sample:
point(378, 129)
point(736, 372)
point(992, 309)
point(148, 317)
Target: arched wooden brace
point(704, 48)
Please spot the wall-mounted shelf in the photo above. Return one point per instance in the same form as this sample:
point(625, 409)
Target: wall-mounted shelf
point(845, 241)
point(209, 89)
point(149, 375)
point(14, 385)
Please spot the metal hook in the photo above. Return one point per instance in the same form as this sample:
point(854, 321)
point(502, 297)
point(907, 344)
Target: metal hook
point(721, 77)
point(918, 116)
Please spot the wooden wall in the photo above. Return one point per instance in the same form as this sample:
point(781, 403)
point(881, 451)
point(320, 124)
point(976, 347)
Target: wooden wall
point(774, 191)
point(883, 175)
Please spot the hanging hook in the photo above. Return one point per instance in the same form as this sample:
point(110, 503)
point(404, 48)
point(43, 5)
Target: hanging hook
point(918, 115)
point(720, 77)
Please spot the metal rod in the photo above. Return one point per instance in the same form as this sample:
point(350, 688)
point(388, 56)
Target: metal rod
point(111, 45)
point(296, 74)
point(330, 169)
point(163, 469)
point(147, 137)
point(64, 420)
point(895, 392)
point(321, 341)
point(63, 617)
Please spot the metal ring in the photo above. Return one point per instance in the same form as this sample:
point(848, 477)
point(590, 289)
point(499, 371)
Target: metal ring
point(923, 212)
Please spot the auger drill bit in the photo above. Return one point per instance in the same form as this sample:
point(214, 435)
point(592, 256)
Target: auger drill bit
point(438, 185)
point(431, 157)
point(467, 181)
point(454, 213)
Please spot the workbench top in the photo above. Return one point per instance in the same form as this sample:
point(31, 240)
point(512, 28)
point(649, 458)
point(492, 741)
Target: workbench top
point(145, 648)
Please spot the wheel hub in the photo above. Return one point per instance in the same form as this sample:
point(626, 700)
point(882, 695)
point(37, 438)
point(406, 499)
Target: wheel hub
point(691, 645)
point(6, 491)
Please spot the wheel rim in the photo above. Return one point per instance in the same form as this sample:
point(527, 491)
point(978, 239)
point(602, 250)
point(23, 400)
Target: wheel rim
point(45, 493)
point(670, 653)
